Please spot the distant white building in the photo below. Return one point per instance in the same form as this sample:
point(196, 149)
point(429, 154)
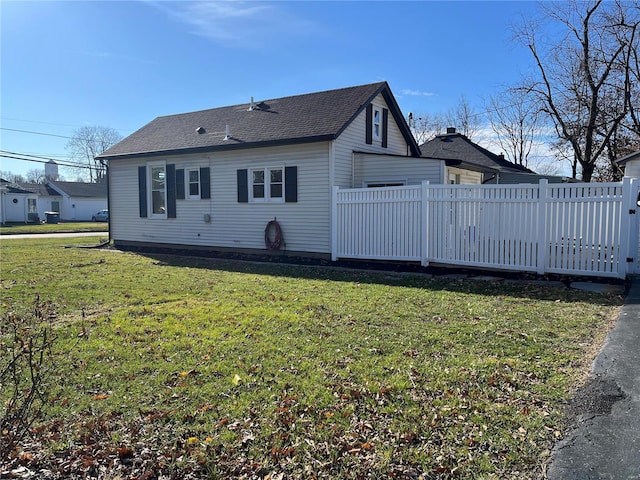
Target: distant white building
point(74, 201)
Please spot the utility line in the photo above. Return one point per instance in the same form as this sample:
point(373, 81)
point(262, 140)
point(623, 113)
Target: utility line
point(40, 159)
point(34, 133)
point(40, 121)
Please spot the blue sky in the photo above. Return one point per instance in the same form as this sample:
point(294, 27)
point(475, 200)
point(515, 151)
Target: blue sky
point(122, 63)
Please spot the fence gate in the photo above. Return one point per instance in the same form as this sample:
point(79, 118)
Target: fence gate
point(581, 229)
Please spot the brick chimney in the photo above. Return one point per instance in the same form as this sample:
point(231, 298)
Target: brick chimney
point(451, 129)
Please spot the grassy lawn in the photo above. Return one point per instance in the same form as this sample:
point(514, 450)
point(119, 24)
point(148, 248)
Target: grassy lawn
point(202, 368)
point(64, 227)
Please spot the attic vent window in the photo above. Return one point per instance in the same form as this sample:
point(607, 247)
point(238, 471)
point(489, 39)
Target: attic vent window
point(200, 130)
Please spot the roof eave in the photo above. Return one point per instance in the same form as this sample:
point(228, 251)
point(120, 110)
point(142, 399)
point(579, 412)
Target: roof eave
point(219, 148)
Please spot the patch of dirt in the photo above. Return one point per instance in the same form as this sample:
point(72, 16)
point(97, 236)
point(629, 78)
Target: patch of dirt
point(596, 397)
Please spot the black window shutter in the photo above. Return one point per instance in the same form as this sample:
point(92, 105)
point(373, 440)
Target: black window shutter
point(290, 184)
point(171, 191)
point(243, 186)
point(369, 126)
point(180, 183)
point(142, 190)
point(385, 123)
point(205, 182)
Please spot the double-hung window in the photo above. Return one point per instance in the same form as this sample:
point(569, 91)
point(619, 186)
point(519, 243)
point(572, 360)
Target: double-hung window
point(193, 183)
point(267, 184)
point(377, 123)
point(158, 190)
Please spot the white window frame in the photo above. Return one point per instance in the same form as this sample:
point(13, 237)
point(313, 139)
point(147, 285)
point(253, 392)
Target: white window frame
point(188, 182)
point(267, 198)
point(376, 123)
point(150, 168)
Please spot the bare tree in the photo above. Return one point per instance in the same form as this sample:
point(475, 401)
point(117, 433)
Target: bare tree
point(464, 118)
point(514, 117)
point(35, 176)
point(89, 142)
point(425, 126)
point(12, 177)
point(580, 73)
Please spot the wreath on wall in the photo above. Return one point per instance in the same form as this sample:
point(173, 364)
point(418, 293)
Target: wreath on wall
point(273, 244)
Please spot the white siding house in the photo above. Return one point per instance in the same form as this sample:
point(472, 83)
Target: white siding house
point(631, 164)
point(17, 204)
point(213, 179)
point(73, 201)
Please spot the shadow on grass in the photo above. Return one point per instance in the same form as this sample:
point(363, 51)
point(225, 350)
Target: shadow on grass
point(435, 278)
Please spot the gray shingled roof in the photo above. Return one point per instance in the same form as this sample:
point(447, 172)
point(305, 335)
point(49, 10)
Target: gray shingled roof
point(297, 119)
point(12, 187)
point(79, 189)
point(40, 189)
point(457, 147)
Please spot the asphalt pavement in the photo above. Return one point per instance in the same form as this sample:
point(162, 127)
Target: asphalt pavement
point(604, 442)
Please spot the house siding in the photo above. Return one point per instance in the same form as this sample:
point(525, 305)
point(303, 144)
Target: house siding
point(353, 138)
point(409, 170)
point(305, 223)
point(466, 176)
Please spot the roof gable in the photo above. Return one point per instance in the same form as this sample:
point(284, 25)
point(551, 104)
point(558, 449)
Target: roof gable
point(457, 147)
point(304, 118)
point(13, 187)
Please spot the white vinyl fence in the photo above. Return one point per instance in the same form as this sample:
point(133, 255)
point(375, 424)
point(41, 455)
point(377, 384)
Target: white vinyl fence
point(583, 229)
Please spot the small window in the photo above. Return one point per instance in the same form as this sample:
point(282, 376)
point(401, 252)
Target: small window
point(193, 183)
point(377, 123)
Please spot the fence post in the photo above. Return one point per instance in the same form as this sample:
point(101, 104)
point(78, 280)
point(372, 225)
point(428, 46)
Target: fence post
point(541, 260)
point(634, 228)
point(627, 226)
point(334, 223)
point(424, 230)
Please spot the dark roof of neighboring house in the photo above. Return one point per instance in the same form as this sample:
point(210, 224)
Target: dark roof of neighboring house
point(455, 147)
point(627, 158)
point(40, 189)
point(13, 187)
point(305, 118)
point(79, 189)
point(72, 189)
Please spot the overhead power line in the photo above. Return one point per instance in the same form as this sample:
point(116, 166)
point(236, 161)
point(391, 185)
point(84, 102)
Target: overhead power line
point(39, 159)
point(34, 133)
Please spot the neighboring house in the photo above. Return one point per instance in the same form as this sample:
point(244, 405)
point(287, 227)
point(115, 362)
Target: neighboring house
point(468, 162)
point(215, 178)
point(74, 201)
point(17, 204)
point(631, 164)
